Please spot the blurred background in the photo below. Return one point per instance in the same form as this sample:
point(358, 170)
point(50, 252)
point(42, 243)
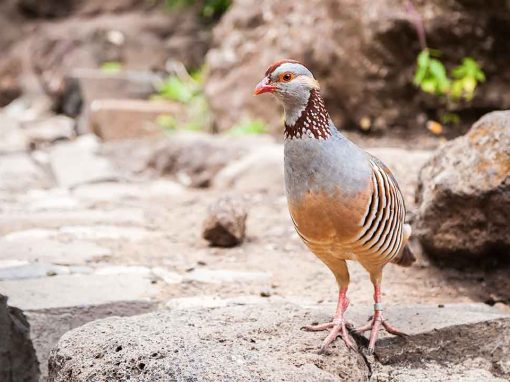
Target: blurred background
point(138, 173)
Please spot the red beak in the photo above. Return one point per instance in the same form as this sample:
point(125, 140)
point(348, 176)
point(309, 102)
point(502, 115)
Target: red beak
point(264, 87)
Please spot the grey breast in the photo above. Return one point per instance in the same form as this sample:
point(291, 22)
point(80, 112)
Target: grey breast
point(332, 166)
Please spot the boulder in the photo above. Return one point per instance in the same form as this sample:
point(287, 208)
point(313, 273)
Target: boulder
point(113, 119)
point(354, 48)
point(48, 325)
point(232, 343)
point(225, 224)
point(259, 339)
point(194, 159)
point(464, 193)
point(18, 362)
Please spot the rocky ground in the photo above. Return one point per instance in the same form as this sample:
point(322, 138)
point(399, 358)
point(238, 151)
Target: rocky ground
point(91, 229)
point(103, 215)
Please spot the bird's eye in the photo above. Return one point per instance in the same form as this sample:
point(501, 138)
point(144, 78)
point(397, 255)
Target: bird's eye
point(286, 77)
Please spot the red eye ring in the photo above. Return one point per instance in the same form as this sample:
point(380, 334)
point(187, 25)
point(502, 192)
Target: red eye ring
point(286, 77)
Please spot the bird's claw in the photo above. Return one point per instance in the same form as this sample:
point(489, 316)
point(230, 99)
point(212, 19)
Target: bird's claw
point(375, 323)
point(325, 326)
point(338, 327)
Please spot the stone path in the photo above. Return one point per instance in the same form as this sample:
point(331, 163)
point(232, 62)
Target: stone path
point(89, 230)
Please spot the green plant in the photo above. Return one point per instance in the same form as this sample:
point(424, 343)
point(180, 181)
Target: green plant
point(248, 126)
point(431, 76)
point(466, 78)
point(111, 67)
point(186, 89)
point(174, 88)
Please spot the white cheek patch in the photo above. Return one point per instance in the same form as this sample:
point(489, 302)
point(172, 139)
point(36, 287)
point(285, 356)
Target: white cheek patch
point(308, 81)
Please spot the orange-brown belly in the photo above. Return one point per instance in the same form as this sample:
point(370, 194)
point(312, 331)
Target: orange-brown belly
point(327, 222)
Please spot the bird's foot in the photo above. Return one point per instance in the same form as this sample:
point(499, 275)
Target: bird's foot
point(374, 325)
point(337, 327)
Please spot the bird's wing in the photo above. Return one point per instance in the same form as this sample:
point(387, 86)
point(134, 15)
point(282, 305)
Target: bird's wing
point(388, 172)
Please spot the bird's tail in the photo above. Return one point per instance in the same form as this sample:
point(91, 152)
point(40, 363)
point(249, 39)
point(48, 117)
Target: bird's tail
point(405, 257)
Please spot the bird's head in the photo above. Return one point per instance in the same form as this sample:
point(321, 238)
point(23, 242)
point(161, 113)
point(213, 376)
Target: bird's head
point(290, 81)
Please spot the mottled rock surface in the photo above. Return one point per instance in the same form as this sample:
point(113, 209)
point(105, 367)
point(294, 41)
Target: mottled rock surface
point(18, 362)
point(259, 339)
point(48, 325)
point(233, 343)
point(464, 193)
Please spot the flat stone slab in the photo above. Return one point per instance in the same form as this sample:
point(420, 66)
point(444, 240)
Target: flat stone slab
point(257, 341)
point(94, 289)
point(113, 119)
point(77, 163)
point(50, 250)
point(36, 270)
point(16, 221)
point(18, 173)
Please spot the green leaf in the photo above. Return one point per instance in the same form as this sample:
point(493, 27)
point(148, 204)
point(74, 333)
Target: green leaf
point(166, 121)
point(247, 127)
point(175, 89)
point(437, 69)
point(111, 67)
point(428, 86)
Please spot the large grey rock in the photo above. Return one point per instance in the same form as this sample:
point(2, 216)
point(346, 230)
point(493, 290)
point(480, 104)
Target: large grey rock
point(355, 50)
point(464, 193)
point(259, 339)
point(249, 343)
point(48, 325)
point(18, 362)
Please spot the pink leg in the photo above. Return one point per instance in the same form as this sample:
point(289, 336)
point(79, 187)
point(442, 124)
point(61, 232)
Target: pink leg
point(338, 327)
point(377, 321)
